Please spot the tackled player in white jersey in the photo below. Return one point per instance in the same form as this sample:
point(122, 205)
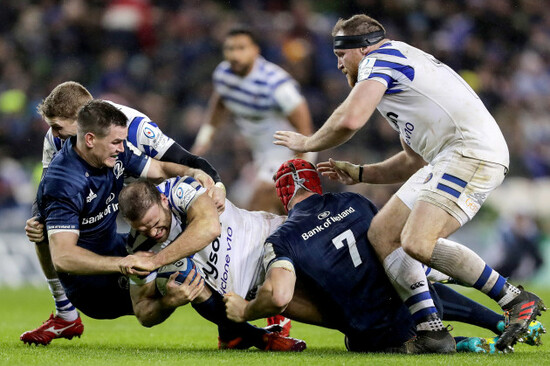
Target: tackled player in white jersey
point(177, 220)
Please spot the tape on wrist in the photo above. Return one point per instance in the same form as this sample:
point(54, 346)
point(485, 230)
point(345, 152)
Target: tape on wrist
point(360, 173)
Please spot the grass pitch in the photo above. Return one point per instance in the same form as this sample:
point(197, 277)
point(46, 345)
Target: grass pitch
point(186, 338)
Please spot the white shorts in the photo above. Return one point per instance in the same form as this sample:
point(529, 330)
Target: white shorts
point(457, 184)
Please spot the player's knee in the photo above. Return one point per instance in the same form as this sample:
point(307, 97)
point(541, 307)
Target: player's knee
point(280, 299)
point(416, 247)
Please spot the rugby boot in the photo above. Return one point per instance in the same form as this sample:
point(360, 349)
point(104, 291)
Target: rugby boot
point(283, 322)
point(520, 312)
point(478, 345)
point(53, 328)
point(430, 341)
point(236, 343)
point(534, 334)
point(276, 342)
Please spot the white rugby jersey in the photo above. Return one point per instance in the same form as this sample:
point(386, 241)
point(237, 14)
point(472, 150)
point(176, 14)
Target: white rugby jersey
point(142, 133)
point(232, 262)
point(433, 109)
point(259, 101)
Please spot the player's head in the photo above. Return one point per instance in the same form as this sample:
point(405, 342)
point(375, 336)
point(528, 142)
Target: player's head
point(241, 49)
point(353, 39)
point(101, 133)
point(60, 108)
point(146, 210)
point(293, 175)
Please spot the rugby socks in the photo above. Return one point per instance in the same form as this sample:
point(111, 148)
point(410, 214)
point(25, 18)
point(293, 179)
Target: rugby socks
point(460, 308)
point(433, 275)
point(463, 264)
point(213, 309)
point(63, 306)
point(408, 278)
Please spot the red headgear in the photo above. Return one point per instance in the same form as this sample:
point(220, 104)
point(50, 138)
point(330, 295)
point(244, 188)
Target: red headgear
point(294, 174)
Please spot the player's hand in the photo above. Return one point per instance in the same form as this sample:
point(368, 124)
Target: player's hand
point(342, 171)
point(182, 294)
point(218, 193)
point(204, 179)
point(34, 230)
point(138, 264)
point(293, 140)
point(235, 307)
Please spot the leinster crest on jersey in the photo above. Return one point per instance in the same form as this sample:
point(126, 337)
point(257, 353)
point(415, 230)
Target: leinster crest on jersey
point(118, 169)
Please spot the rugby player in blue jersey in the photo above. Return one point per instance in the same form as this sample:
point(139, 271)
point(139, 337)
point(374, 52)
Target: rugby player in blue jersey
point(59, 110)
point(323, 246)
point(454, 155)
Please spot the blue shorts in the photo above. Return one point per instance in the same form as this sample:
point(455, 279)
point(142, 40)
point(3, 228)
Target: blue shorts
point(101, 296)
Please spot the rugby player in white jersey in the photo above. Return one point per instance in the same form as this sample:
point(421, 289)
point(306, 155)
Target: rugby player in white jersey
point(176, 220)
point(453, 156)
point(262, 98)
point(59, 109)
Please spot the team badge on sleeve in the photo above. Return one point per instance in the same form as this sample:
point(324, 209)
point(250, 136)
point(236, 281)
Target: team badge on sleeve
point(365, 68)
point(184, 192)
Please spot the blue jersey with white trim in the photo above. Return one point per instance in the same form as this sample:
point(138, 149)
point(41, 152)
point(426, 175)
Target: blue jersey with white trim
point(434, 110)
point(142, 133)
point(259, 101)
point(76, 197)
point(325, 238)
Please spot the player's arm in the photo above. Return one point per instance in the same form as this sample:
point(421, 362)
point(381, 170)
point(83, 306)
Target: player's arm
point(177, 154)
point(203, 226)
point(347, 119)
point(68, 257)
point(215, 115)
point(273, 297)
point(395, 169)
point(159, 170)
point(150, 308)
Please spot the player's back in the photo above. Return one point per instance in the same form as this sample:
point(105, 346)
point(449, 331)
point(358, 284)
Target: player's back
point(326, 239)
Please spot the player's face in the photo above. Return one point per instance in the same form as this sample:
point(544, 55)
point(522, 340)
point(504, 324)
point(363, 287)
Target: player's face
point(105, 150)
point(156, 222)
point(241, 53)
point(62, 127)
point(348, 63)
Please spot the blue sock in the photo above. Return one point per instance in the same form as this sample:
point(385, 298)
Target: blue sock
point(460, 308)
point(213, 309)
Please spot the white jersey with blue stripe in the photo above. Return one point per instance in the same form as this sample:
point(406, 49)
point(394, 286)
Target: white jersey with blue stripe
point(259, 101)
point(434, 110)
point(142, 133)
point(233, 261)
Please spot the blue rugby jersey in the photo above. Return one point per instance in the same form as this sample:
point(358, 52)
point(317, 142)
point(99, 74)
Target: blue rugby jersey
point(325, 238)
point(74, 196)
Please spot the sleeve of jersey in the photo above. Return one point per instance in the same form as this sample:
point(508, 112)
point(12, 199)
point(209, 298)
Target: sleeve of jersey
point(62, 214)
point(390, 72)
point(183, 192)
point(135, 162)
point(276, 255)
point(287, 96)
point(148, 138)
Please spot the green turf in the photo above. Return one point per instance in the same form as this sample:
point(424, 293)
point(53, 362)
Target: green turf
point(185, 338)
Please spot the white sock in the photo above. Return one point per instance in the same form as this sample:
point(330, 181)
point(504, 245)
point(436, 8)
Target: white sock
point(407, 276)
point(63, 306)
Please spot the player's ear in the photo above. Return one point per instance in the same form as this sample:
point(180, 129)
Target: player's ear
point(89, 139)
point(164, 200)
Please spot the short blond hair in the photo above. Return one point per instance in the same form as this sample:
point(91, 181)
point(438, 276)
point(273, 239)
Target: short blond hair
point(357, 25)
point(64, 101)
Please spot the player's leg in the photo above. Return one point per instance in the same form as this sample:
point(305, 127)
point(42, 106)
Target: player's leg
point(407, 275)
point(242, 335)
point(66, 323)
point(453, 197)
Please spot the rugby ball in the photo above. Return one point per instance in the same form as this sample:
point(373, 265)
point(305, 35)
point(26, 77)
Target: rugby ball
point(183, 267)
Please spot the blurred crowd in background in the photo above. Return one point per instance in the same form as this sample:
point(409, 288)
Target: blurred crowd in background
point(158, 57)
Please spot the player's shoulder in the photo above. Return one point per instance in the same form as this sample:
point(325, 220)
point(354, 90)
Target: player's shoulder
point(65, 177)
point(272, 73)
point(181, 192)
